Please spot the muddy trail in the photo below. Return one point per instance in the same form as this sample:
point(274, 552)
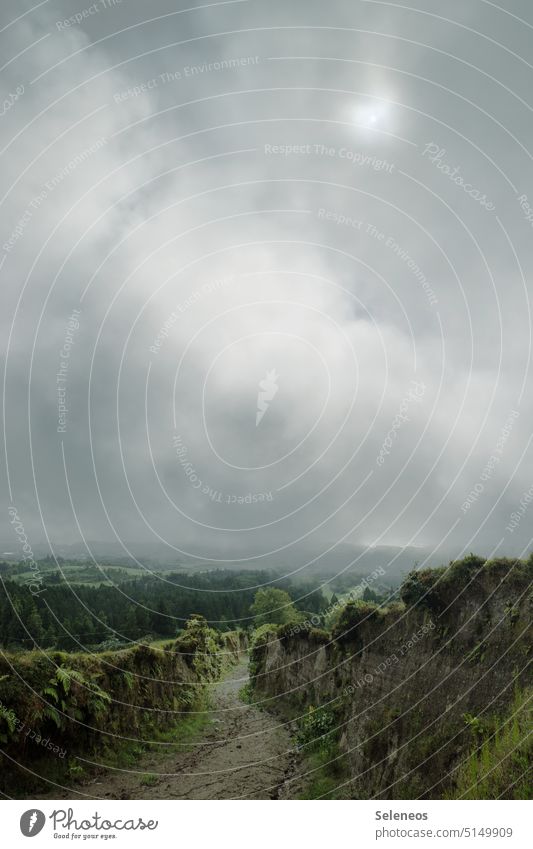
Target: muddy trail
point(242, 752)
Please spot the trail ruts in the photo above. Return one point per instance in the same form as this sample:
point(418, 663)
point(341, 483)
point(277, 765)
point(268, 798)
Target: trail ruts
point(243, 753)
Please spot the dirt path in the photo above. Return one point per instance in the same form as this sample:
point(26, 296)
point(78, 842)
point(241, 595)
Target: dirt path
point(242, 753)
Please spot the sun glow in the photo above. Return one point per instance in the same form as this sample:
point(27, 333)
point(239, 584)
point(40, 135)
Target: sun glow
point(372, 115)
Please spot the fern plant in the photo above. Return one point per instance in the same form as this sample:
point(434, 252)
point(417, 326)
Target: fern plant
point(66, 702)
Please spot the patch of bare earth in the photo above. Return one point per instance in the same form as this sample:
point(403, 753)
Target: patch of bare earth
point(244, 752)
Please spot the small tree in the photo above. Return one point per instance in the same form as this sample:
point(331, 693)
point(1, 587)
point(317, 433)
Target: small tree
point(273, 606)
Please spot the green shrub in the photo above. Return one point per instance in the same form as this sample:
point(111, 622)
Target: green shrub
point(273, 605)
point(510, 568)
point(325, 766)
point(351, 616)
point(499, 765)
point(201, 646)
point(319, 636)
point(302, 631)
point(263, 634)
point(149, 780)
point(316, 728)
point(460, 572)
point(100, 703)
point(425, 589)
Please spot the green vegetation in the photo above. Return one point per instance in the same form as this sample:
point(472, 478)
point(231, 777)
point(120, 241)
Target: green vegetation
point(273, 606)
point(246, 694)
point(99, 617)
point(110, 617)
point(263, 633)
point(316, 728)
point(419, 691)
point(149, 780)
point(73, 572)
point(100, 706)
point(352, 615)
point(324, 764)
point(142, 677)
point(436, 589)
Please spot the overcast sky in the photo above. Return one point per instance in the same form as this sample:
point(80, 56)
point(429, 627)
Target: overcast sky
point(276, 258)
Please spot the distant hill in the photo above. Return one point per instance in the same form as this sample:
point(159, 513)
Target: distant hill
point(297, 561)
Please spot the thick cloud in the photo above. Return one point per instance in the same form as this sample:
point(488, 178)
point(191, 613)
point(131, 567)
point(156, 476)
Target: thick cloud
point(263, 208)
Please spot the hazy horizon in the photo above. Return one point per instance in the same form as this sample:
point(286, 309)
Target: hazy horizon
point(264, 277)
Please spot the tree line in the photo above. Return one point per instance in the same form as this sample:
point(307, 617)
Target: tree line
point(77, 617)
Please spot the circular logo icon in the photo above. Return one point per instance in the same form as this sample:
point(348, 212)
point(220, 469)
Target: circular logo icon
point(32, 822)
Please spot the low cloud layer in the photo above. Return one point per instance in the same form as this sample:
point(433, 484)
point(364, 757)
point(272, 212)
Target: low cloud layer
point(252, 208)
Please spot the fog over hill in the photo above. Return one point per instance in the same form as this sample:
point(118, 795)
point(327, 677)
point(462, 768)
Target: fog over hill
point(295, 562)
point(264, 280)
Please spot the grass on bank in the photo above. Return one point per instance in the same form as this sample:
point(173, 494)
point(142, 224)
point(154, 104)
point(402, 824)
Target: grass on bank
point(500, 765)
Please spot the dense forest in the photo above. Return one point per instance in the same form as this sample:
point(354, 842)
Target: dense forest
point(72, 616)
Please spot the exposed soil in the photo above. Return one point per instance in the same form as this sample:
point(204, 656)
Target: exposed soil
point(243, 752)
